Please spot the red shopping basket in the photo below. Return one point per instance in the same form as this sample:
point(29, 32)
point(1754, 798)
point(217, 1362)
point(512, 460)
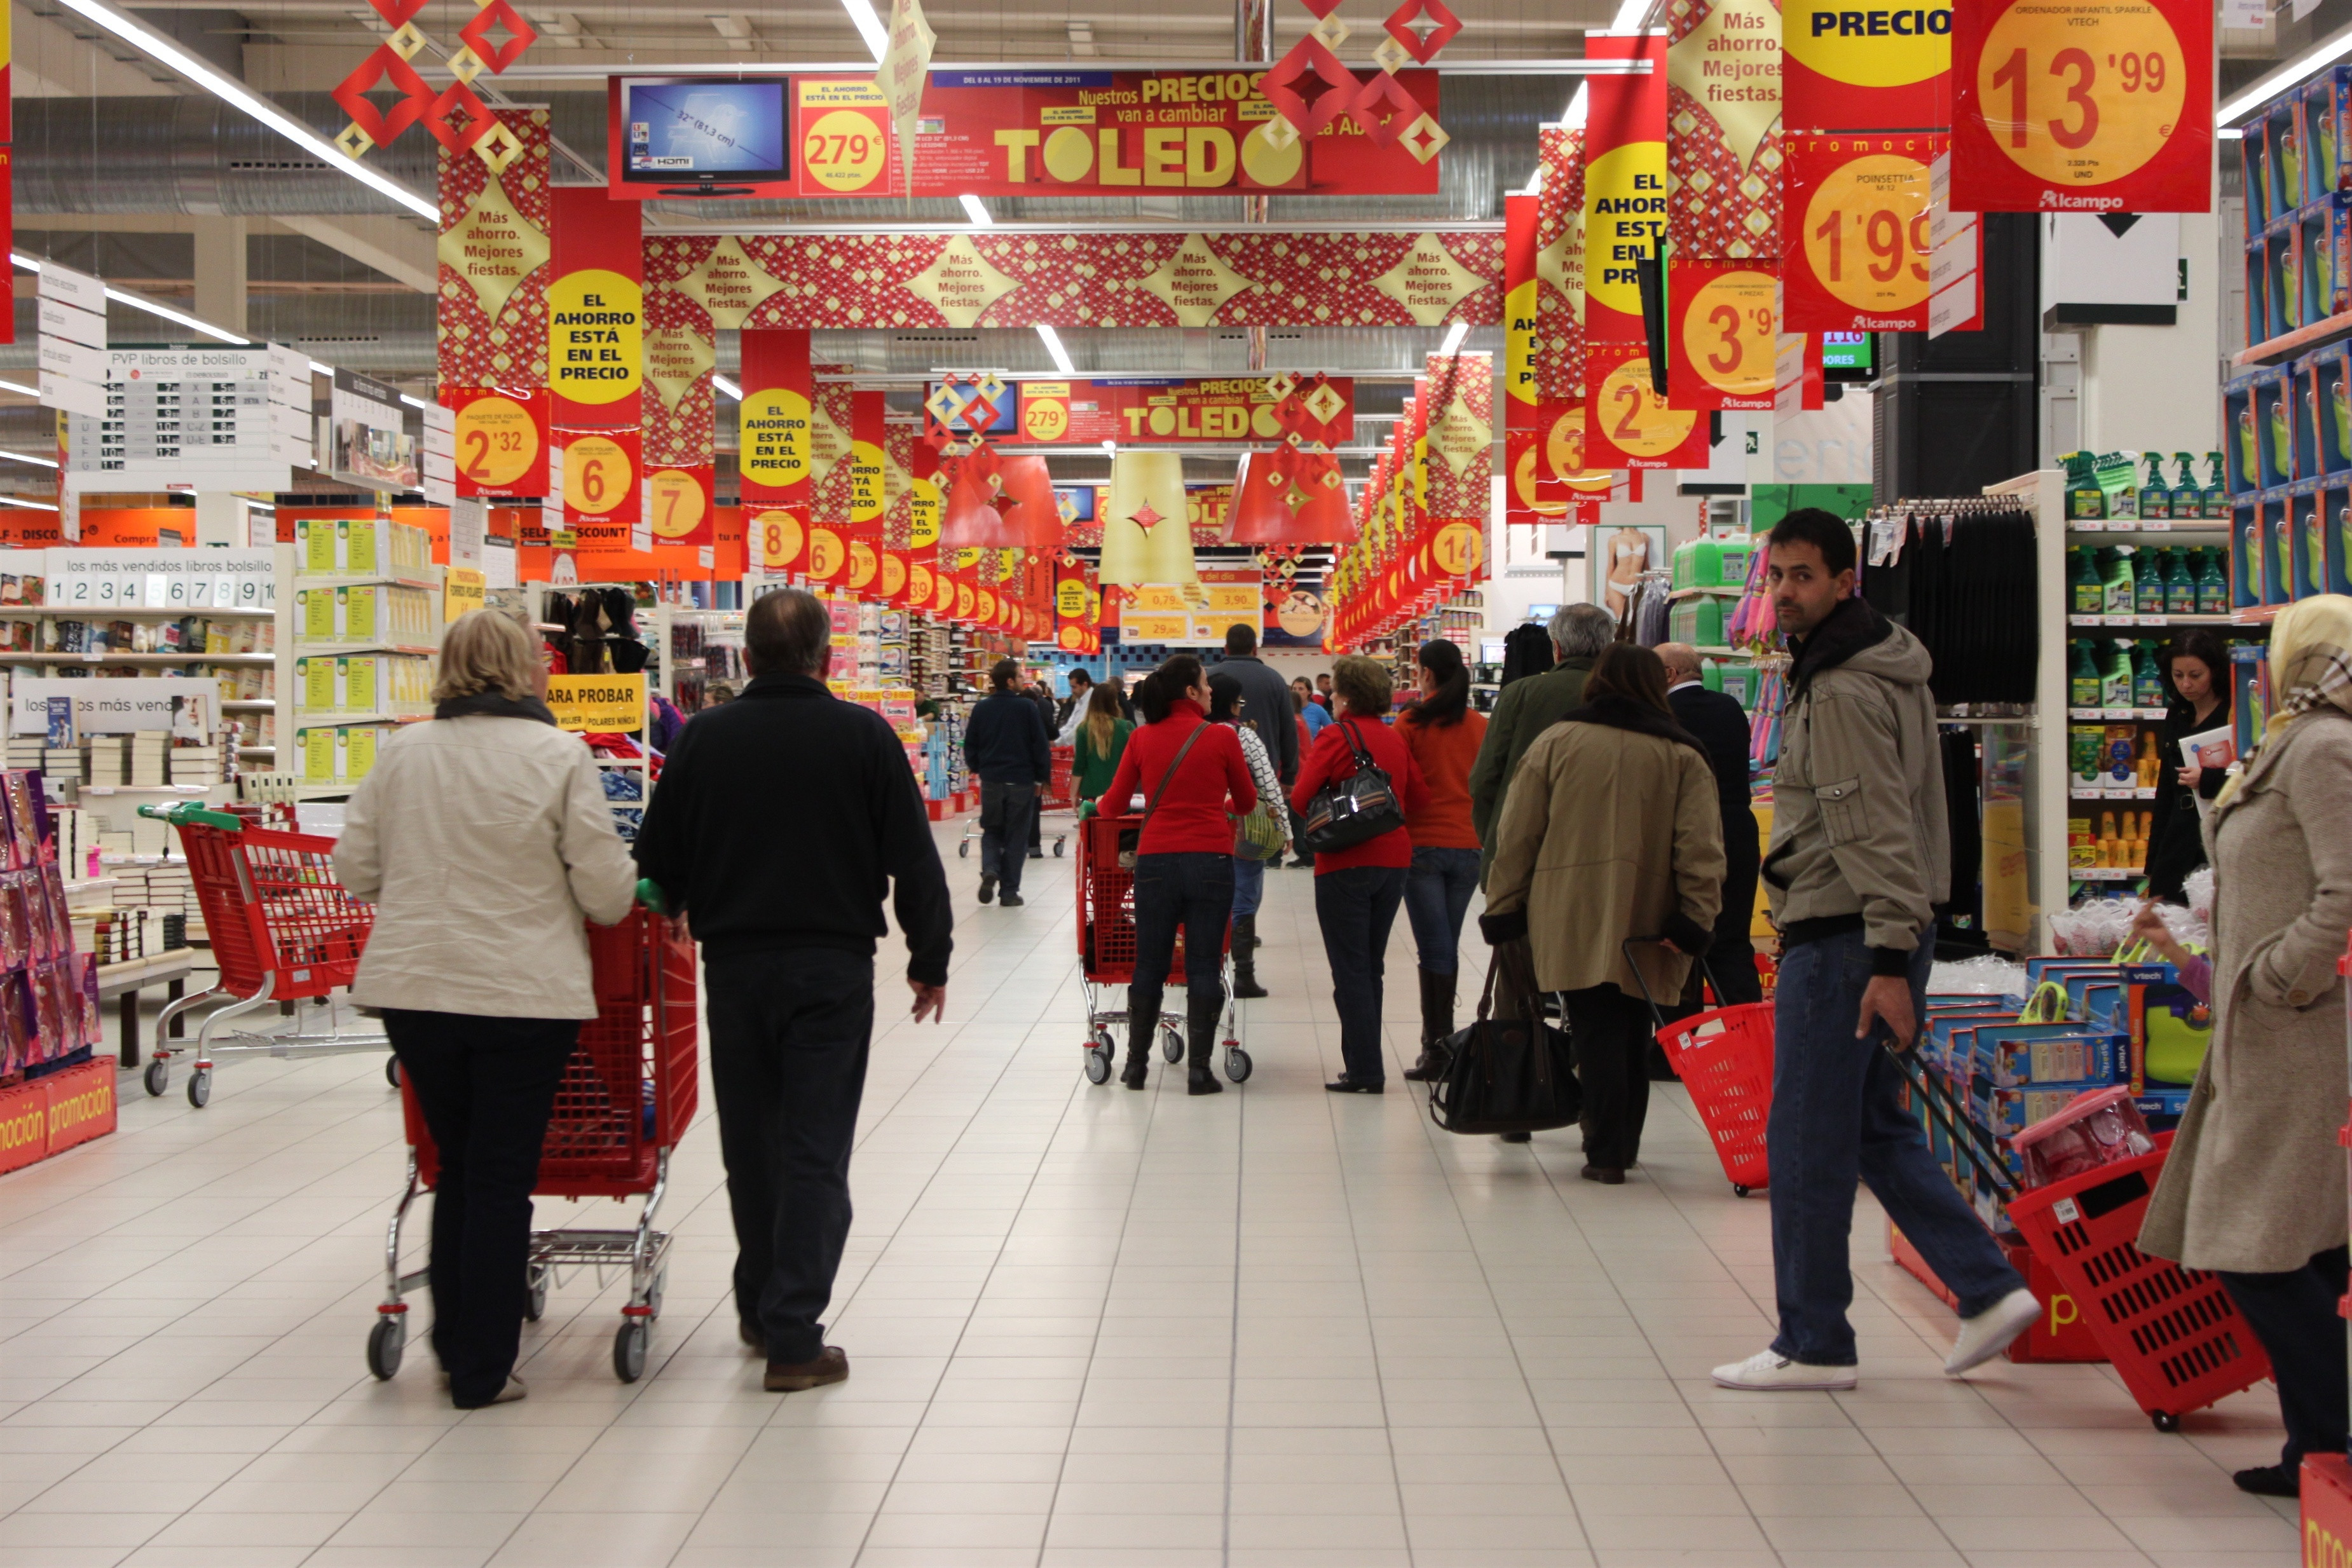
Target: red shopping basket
point(2172, 1333)
point(272, 907)
point(1723, 1057)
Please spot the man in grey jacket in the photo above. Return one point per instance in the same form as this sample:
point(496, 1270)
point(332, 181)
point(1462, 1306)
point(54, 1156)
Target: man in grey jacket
point(1527, 708)
point(1859, 857)
point(1266, 700)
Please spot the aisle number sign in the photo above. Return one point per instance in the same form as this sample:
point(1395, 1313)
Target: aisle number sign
point(2095, 106)
point(1725, 330)
point(598, 704)
point(1858, 204)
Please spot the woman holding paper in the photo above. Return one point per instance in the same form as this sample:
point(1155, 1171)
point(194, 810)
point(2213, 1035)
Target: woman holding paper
point(2197, 671)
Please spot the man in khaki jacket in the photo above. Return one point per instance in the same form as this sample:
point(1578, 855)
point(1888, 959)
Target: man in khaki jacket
point(1859, 858)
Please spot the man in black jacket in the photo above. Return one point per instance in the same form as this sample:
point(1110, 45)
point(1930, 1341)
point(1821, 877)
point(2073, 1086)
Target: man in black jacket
point(1720, 725)
point(779, 821)
point(1006, 745)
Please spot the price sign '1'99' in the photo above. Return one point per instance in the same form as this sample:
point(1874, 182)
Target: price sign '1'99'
point(1860, 207)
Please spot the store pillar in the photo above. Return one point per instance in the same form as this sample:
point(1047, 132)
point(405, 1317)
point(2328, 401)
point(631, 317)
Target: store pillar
point(1960, 411)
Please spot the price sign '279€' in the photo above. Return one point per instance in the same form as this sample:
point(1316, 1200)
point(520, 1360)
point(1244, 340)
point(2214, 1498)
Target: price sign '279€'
point(2082, 106)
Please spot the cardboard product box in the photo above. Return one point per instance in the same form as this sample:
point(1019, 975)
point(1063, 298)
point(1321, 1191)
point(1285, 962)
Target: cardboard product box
point(2013, 1056)
point(2241, 468)
point(2306, 554)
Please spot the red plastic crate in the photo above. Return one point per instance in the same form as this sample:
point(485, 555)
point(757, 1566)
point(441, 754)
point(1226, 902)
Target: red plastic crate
point(1728, 1072)
point(2326, 1511)
point(2172, 1333)
point(2058, 1334)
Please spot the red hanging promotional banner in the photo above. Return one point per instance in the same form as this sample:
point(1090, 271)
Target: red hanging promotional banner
point(1521, 412)
point(1721, 334)
point(921, 585)
point(1536, 482)
point(1723, 98)
point(502, 440)
point(1146, 411)
point(1126, 133)
point(868, 497)
point(773, 423)
point(1631, 425)
point(491, 316)
point(1857, 261)
point(682, 505)
point(841, 126)
point(1624, 183)
point(595, 309)
point(1864, 70)
point(2083, 106)
point(602, 506)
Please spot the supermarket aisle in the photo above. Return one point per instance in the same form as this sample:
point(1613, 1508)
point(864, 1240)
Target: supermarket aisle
point(1087, 1327)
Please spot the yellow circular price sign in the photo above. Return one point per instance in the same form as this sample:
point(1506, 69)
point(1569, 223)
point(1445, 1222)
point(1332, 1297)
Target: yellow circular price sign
point(1045, 418)
point(845, 149)
point(773, 428)
point(1638, 421)
point(1070, 598)
point(2082, 94)
point(776, 537)
point(864, 562)
point(894, 575)
point(1865, 233)
point(677, 504)
point(826, 554)
point(985, 606)
point(919, 586)
point(1074, 638)
point(1729, 335)
point(1564, 450)
point(1459, 549)
point(595, 336)
point(598, 475)
point(497, 441)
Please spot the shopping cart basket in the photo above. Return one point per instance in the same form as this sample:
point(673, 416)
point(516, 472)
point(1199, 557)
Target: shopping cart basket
point(282, 930)
point(1107, 950)
point(1724, 1057)
point(1056, 796)
point(623, 1103)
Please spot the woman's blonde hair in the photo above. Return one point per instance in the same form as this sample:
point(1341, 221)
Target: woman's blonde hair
point(1102, 714)
point(486, 650)
point(1363, 684)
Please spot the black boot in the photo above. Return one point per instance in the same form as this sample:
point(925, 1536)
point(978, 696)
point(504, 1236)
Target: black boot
point(1139, 1031)
point(1436, 1028)
point(1201, 1013)
point(1245, 956)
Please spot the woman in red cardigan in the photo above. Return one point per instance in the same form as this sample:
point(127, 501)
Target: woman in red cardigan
point(1185, 768)
point(1356, 890)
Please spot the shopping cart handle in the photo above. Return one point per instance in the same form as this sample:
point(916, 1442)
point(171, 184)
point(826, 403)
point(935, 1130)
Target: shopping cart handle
point(650, 895)
point(187, 811)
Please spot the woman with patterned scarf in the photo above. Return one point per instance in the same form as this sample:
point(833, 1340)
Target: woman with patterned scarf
point(2254, 1190)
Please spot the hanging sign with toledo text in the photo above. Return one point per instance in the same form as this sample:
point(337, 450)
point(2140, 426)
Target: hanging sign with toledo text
point(1885, 65)
point(501, 440)
point(1858, 253)
point(2091, 106)
point(1630, 425)
point(1147, 411)
point(598, 704)
point(1624, 185)
point(1721, 334)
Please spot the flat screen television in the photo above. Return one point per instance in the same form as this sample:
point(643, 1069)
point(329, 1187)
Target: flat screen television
point(695, 134)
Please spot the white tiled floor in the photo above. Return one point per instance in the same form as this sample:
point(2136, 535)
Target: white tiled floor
point(1088, 1327)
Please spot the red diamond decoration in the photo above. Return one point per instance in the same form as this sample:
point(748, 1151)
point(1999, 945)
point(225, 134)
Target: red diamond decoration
point(1383, 90)
point(415, 96)
point(476, 34)
point(1320, 8)
point(458, 118)
point(1340, 84)
point(396, 12)
point(1144, 515)
point(1439, 25)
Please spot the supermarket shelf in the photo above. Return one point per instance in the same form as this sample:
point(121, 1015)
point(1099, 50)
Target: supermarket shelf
point(2024, 720)
point(257, 751)
point(2130, 792)
point(395, 579)
point(339, 720)
point(2288, 345)
point(145, 789)
point(1716, 648)
point(2093, 622)
point(2211, 529)
point(2106, 873)
point(2255, 614)
point(328, 650)
point(148, 659)
point(2115, 713)
point(125, 611)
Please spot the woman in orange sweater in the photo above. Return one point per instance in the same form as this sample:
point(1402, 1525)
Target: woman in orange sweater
point(1443, 734)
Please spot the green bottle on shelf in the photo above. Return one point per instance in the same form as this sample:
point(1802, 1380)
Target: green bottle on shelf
point(2188, 497)
point(2118, 576)
point(2083, 683)
point(2155, 498)
point(2147, 583)
point(2147, 686)
point(2116, 678)
point(2179, 585)
point(2213, 585)
point(2090, 590)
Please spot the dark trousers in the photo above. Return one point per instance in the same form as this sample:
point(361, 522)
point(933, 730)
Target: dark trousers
point(1006, 812)
point(2294, 1314)
point(1300, 854)
point(1837, 1117)
point(1610, 1031)
point(1193, 889)
point(486, 1087)
point(1731, 956)
point(1356, 907)
point(789, 1031)
point(1436, 896)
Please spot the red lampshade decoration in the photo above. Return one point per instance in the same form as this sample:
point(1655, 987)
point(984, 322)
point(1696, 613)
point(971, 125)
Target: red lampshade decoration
point(1028, 502)
point(1261, 514)
point(971, 520)
point(1320, 497)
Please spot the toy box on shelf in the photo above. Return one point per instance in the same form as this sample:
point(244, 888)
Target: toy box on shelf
point(58, 1093)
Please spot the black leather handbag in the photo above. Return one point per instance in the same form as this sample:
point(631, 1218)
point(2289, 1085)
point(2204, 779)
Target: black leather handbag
point(1346, 812)
point(1508, 1075)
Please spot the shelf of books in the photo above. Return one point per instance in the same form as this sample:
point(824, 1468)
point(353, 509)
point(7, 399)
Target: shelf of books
point(360, 631)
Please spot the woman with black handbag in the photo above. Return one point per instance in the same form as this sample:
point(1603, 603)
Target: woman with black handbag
point(1186, 768)
point(1354, 789)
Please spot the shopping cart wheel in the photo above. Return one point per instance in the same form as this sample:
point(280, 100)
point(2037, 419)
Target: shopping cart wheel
point(1099, 1057)
point(1171, 1044)
point(964, 848)
point(391, 1071)
point(660, 1286)
point(534, 1300)
point(1061, 848)
point(158, 1076)
point(200, 1087)
point(629, 1349)
point(1737, 1191)
point(2165, 1420)
point(385, 1341)
point(1237, 1065)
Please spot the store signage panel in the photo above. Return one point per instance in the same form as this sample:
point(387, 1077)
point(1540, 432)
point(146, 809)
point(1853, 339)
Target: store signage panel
point(1885, 67)
point(1103, 132)
point(187, 418)
point(1156, 613)
point(368, 446)
point(1721, 335)
point(502, 441)
point(1859, 248)
point(1147, 411)
point(2096, 106)
point(598, 704)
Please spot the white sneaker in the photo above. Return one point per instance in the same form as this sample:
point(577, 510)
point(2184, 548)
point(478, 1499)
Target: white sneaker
point(1769, 1369)
point(1988, 1333)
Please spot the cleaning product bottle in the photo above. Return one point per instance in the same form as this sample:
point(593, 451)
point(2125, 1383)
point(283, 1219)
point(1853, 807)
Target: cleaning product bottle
point(2147, 585)
point(2148, 685)
point(2179, 585)
point(2090, 590)
point(2116, 678)
point(2217, 491)
point(2120, 583)
point(2213, 586)
point(2188, 500)
point(2083, 685)
point(2154, 500)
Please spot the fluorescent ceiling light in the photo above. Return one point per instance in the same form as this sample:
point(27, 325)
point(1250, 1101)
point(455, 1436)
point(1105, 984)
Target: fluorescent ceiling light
point(974, 211)
point(14, 387)
point(1454, 336)
point(724, 385)
point(2287, 76)
point(1061, 356)
point(413, 401)
point(30, 506)
point(155, 47)
point(153, 307)
point(28, 457)
point(869, 27)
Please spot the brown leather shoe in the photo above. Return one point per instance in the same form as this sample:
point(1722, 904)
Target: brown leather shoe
point(1607, 1175)
point(831, 1365)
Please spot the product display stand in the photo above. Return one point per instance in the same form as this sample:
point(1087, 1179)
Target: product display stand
point(359, 636)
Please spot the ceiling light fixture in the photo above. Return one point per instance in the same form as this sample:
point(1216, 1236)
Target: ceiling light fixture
point(28, 457)
point(725, 386)
point(28, 506)
point(17, 387)
point(2287, 76)
point(869, 27)
point(1454, 336)
point(1061, 356)
point(155, 47)
point(974, 211)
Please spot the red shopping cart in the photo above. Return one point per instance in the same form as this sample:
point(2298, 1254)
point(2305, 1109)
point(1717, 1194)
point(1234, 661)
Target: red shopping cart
point(625, 1099)
point(1724, 1057)
point(282, 930)
point(1107, 950)
point(1056, 796)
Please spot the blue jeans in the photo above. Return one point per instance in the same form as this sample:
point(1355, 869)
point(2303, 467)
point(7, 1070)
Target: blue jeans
point(1195, 890)
point(1436, 896)
point(1005, 812)
point(1356, 907)
point(1836, 1117)
point(1249, 886)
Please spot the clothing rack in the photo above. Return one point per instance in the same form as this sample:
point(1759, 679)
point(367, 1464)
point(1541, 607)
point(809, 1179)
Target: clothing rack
point(1954, 571)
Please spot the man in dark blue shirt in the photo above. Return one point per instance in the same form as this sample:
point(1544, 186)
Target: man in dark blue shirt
point(1006, 748)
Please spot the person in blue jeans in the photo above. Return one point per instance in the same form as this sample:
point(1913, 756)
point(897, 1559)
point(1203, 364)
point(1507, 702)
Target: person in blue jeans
point(1860, 857)
point(1226, 705)
point(1443, 733)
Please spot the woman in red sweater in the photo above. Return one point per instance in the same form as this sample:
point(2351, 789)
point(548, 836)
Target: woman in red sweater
point(1186, 768)
point(1356, 890)
point(1443, 733)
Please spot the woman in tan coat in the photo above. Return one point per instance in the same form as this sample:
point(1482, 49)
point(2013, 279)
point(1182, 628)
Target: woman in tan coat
point(1610, 832)
point(2254, 1190)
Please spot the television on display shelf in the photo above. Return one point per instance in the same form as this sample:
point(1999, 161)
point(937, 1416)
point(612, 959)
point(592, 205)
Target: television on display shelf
point(700, 135)
point(1849, 356)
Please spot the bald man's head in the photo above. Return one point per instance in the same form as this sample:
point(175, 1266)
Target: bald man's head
point(1681, 660)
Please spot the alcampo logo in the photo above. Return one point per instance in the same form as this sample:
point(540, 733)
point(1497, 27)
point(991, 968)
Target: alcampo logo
point(1885, 47)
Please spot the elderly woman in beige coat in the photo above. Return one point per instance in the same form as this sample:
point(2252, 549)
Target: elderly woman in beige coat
point(2254, 1190)
point(483, 840)
point(1610, 831)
